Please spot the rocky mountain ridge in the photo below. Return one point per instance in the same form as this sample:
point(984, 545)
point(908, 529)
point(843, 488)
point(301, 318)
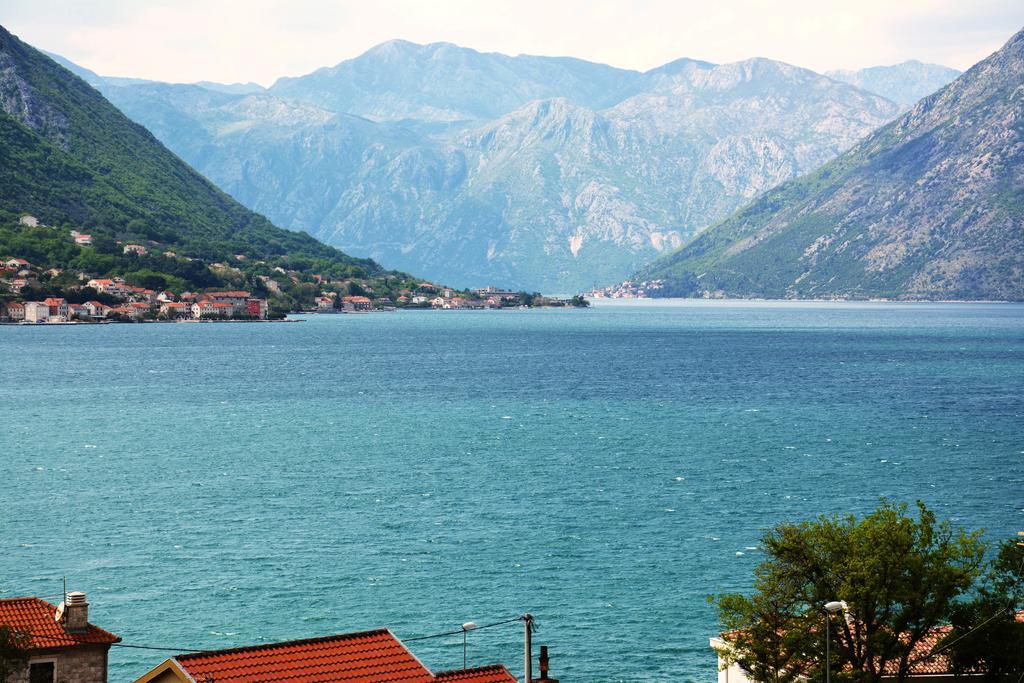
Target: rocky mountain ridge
point(533, 172)
point(930, 206)
point(903, 83)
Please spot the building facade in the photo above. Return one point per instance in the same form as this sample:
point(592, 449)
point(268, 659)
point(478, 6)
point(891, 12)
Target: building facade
point(61, 645)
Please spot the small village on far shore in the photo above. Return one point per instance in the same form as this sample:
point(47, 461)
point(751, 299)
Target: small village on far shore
point(31, 293)
point(628, 289)
point(428, 295)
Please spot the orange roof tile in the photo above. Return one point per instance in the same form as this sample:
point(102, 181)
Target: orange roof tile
point(35, 617)
point(365, 657)
point(924, 663)
point(484, 674)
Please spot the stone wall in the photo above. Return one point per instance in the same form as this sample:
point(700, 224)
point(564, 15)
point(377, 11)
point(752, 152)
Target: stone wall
point(82, 664)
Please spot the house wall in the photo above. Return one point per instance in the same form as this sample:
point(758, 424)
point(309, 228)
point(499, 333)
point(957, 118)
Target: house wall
point(168, 676)
point(36, 312)
point(74, 665)
point(733, 674)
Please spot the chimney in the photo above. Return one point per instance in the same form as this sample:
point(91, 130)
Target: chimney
point(544, 666)
point(76, 613)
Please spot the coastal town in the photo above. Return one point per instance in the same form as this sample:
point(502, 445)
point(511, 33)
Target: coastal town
point(428, 295)
point(136, 304)
point(144, 290)
point(629, 289)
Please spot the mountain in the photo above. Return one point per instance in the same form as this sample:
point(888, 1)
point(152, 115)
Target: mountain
point(931, 206)
point(530, 172)
point(232, 88)
point(441, 82)
point(904, 83)
point(71, 158)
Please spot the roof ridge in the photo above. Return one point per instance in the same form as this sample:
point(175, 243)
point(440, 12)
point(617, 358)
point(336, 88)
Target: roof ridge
point(28, 597)
point(285, 643)
point(472, 669)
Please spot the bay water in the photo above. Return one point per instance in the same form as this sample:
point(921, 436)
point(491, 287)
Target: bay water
point(219, 485)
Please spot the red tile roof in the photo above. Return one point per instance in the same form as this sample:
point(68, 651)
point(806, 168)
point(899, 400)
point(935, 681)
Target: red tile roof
point(940, 663)
point(484, 674)
point(35, 617)
point(924, 664)
point(365, 657)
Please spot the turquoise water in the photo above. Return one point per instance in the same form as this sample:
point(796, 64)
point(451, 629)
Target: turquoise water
point(606, 469)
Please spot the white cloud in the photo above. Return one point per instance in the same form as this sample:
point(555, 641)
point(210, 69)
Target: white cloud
point(260, 40)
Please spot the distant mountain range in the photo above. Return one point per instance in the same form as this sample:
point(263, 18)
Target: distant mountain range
point(904, 83)
point(931, 206)
point(534, 172)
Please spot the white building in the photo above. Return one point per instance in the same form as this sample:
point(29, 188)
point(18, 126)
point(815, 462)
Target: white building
point(115, 287)
point(36, 312)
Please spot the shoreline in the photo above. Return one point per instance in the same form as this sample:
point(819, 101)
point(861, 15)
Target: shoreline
point(806, 301)
point(67, 323)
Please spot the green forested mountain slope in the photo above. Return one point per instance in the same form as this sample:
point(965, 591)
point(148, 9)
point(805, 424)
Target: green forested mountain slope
point(71, 158)
point(930, 206)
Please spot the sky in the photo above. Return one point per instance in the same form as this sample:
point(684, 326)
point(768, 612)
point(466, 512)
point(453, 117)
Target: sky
point(262, 40)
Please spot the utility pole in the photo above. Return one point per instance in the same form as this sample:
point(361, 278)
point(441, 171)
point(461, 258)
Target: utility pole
point(828, 667)
point(528, 650)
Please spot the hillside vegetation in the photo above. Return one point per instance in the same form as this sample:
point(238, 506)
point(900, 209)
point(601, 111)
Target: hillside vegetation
point(70, 158)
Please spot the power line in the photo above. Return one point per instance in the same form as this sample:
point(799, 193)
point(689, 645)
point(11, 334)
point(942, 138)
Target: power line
point(154, 647)
point(974, 629)
point(72, 641)
point(461, 631)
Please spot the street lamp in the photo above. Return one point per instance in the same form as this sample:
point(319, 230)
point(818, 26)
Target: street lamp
point(466, 628)
point(830, 609)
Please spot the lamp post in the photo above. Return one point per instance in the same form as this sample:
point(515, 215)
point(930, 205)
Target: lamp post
point(830, 609)
point(466, 628)
point(528, 648)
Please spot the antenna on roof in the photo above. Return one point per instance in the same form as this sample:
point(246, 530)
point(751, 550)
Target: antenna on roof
point(59, 614)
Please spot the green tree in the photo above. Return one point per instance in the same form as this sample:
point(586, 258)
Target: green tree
point(987, 633)
point(355, 289)
point(13, 651)
point(900, 576)
point(147, 279)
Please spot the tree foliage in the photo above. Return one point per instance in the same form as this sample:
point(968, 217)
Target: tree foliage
point(901, 577)
point(13, 651)
point(988, 633)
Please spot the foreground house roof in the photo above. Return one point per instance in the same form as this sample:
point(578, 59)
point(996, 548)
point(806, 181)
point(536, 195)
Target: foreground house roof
point(483, 674)
point(36, 618)
point(364, 657)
